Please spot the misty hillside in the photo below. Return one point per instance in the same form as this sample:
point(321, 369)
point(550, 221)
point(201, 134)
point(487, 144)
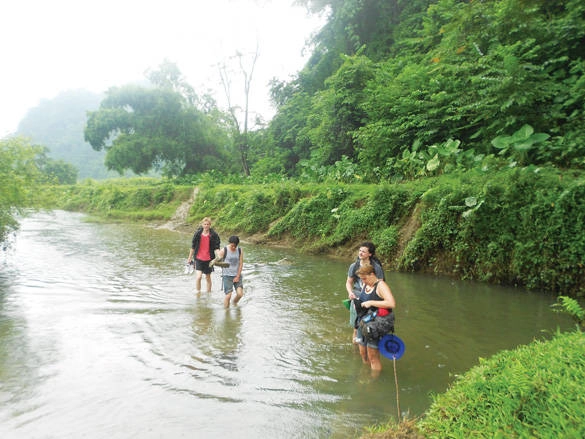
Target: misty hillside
point(58, 124)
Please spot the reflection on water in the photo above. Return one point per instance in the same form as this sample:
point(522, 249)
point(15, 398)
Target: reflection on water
point(102, 335)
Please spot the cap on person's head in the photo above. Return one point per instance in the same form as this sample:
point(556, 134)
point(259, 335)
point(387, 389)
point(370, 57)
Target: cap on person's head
point(234, 240)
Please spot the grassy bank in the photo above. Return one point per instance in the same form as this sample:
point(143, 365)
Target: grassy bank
point(137, 199)
point(523, 227)
point(518, 226)
point(534, 391)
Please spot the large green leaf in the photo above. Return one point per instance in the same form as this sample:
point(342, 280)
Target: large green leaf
point(433, 163)
point(523, 133)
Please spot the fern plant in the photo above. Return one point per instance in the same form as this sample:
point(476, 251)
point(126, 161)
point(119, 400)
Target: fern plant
point(571, 307)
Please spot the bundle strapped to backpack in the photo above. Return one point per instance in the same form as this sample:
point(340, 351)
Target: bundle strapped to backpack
point(376, 327)
point(372, 325)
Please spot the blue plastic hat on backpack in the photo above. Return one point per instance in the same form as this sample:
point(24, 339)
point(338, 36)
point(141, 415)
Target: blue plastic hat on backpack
point(391, 346)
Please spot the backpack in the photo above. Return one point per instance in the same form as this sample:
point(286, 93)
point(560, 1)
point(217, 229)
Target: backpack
point(225, 252)
point(374, 327)
point(373, 259)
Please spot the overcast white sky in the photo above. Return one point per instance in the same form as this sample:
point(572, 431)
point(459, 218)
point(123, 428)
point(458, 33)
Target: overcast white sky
point(47, 47)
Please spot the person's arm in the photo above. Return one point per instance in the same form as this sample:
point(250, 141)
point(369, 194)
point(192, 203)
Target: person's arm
point(220, 254)
point(349, 287)
point(350, 282)
point(240, 266)
point(384, 292)
point(194, 245)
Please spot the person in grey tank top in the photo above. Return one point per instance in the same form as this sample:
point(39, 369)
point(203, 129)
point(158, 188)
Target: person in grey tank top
point(231, 275)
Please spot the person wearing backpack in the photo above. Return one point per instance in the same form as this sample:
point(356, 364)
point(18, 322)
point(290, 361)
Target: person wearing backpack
point(353, 284)
point(374, 298)
point(231, 274)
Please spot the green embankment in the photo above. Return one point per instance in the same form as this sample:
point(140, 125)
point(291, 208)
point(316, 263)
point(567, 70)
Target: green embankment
point(534, 391)
point(142, 199)
point(523, 227)
point(520, 226)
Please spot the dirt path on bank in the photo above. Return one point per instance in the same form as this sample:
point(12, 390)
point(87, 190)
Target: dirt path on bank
point(178, 221)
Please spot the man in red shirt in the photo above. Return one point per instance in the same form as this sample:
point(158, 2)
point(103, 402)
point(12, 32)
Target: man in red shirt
point(204, 249)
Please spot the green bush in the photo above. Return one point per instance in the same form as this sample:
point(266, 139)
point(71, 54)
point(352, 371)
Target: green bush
point(386, 241)
point(311, 217)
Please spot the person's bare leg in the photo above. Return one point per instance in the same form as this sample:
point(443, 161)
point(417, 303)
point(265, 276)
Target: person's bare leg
point(208, 280)
point(226, 300)
point(364, 354)
point(239, 295)
point(198, 275)
point(375, 363)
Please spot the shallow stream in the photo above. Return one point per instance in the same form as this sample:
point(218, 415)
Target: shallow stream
point(103, 336)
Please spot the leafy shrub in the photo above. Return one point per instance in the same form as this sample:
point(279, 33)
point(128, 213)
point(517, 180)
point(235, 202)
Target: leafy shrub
point(386, 241)
point(311, 217)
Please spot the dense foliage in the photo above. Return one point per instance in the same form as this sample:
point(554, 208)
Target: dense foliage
point(404, 79)
point(393, 90)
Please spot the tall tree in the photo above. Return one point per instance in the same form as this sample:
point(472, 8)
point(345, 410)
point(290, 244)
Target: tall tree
point(157, 128)
point(240, 129)
point(338, 110)
point(334, 80)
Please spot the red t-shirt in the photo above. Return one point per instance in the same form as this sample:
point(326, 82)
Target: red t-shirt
point(203, 251)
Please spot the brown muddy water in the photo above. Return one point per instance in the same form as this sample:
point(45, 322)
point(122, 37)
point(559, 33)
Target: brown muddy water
point(103, 336)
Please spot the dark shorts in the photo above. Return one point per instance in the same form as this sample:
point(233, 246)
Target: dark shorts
point(203, 266)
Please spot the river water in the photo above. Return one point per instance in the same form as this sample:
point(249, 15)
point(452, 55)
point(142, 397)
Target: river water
point(102, 335)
